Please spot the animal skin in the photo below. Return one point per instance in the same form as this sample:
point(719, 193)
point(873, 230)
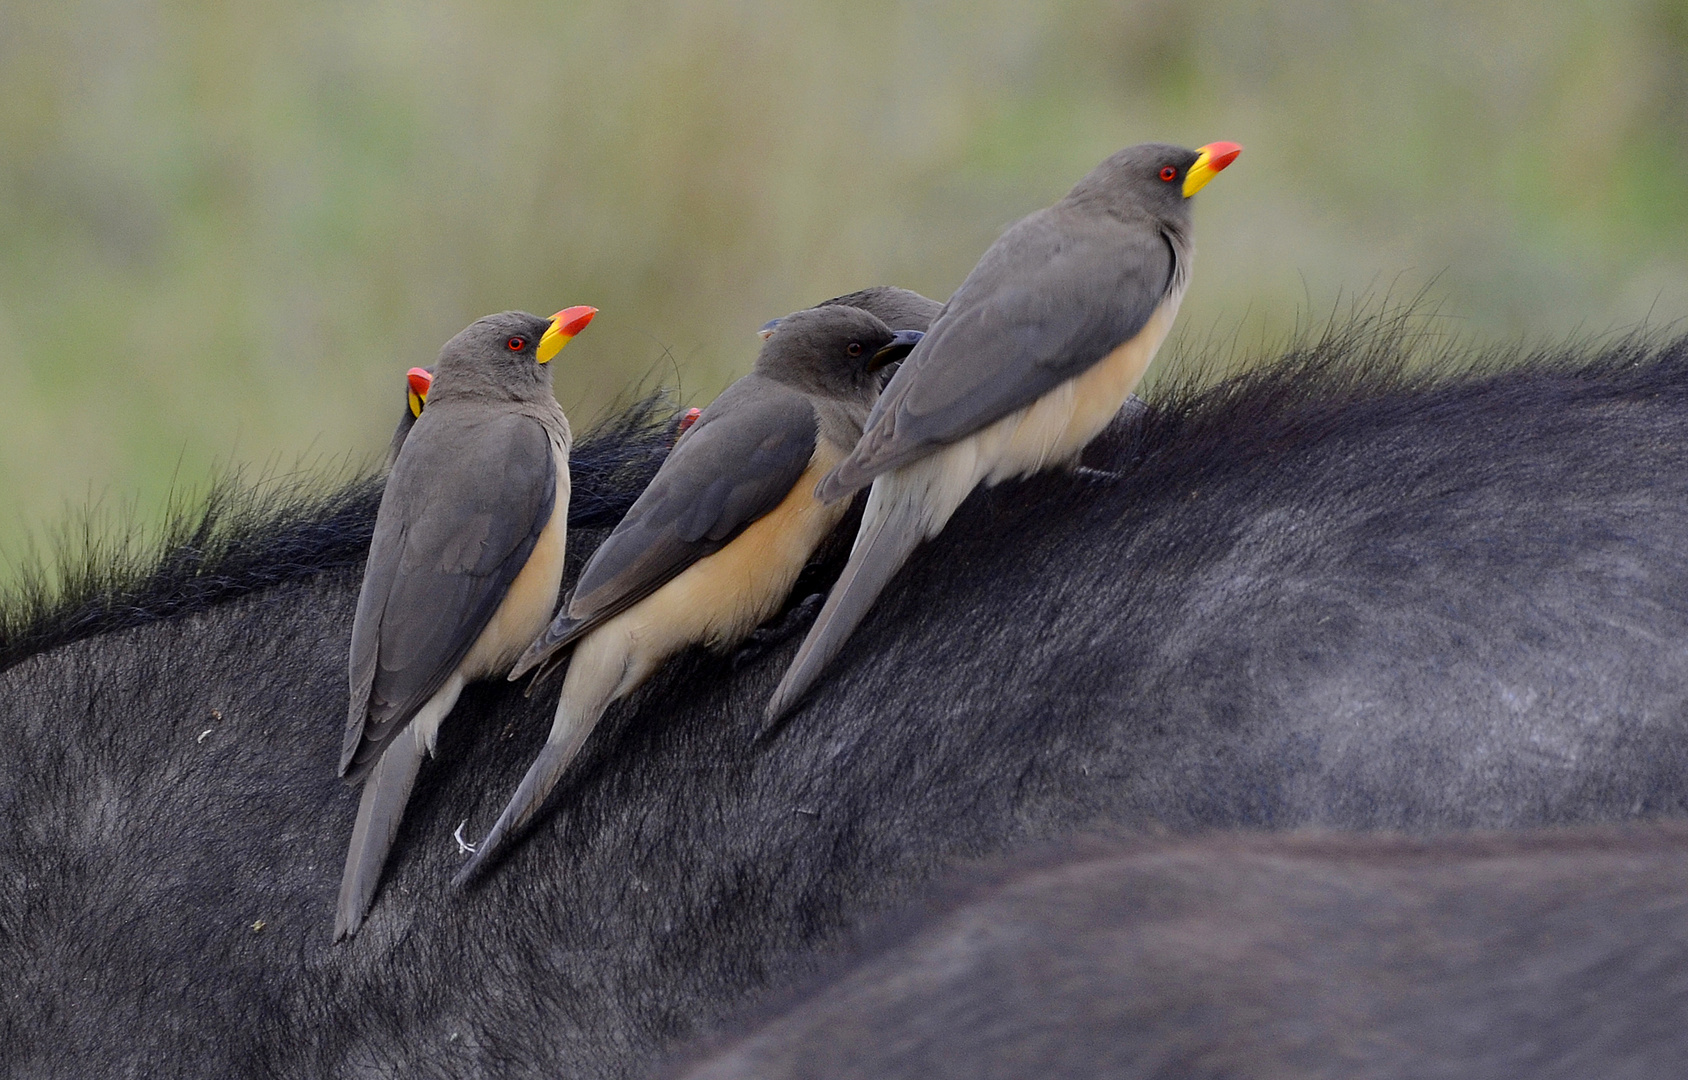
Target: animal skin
point(1554, 955)
point(1328, 593)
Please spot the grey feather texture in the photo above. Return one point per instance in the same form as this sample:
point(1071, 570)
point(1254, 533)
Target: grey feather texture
point(814, 381)
point(1058, 291)
point(1047, 301)
point(465, 504)
point(900, 309)
point(735, 464)
point(1061, 290)
point(380, 809)
point(475, 485)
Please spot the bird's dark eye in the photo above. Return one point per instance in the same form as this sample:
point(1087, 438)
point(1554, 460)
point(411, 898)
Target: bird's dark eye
point(516, 344)
point(854, 348)
point(1169, 174)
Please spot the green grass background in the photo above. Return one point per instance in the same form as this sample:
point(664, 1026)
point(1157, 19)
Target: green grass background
point(226, 229)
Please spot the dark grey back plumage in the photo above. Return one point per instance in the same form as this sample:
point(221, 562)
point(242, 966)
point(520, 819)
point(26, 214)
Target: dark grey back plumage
point(733, 466)
point(407, 420)
point(742, 457)
point(473, 487)
point(1058, 291)
point(900, 309)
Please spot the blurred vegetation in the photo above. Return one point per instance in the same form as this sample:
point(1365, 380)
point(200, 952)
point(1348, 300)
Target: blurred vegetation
point(228, 228)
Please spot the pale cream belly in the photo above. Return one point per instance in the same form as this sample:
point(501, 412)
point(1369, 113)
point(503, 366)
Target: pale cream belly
point(1060, 424)
point(532, 597)
point(719, 599)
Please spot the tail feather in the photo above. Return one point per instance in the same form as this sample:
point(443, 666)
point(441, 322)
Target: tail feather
point(880, 551)
point(562, 631)
point(385, 794)
point(568, 735)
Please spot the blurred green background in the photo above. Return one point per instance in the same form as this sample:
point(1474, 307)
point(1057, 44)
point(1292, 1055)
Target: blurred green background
point(229, 228)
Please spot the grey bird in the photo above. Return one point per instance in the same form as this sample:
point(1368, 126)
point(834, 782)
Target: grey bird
point(711, 548)
point(464, 567)
point(900, 309)
point(416, 383)
point(1029, 360)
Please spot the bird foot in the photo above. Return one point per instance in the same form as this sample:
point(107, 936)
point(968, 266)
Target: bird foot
point(767, 636)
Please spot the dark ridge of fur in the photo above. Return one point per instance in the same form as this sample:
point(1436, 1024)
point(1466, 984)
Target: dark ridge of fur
point(1096, 956)
point(614, 461)
point(245, 536)
point(240, 538)
point(975, 883)
point(1384, 362)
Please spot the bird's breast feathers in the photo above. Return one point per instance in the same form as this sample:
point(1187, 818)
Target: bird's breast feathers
point(532, 596)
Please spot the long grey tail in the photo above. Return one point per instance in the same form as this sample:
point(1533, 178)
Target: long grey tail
point(564, 743)
point(385, 794)
point(880, 551)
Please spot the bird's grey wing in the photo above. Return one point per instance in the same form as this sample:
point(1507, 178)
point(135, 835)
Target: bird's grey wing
point(740, 459)
point(463, 508)
point(900, 309)
point(407, 420)
point(1050, 299)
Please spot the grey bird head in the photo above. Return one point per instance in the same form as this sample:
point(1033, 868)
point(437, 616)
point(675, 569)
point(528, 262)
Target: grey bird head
point(417, 382)
point(900, 309)
point(833, 352)
point(1153, 178)
point(498, 358)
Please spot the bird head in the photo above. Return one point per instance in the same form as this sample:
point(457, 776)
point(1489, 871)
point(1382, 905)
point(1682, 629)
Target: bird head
point(417, 381)
point(506, 355)
point(834, 351)
point(1153, 178)
point(900, 309)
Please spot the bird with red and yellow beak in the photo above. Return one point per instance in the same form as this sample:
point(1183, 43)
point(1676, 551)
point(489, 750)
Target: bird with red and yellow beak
point(464, 566)
point(712, 546)
point(416, 383)
point(1028, 361)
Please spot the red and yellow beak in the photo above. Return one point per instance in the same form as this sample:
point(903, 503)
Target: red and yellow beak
point(564, 325)
point(1210, 160)
point(420, 381)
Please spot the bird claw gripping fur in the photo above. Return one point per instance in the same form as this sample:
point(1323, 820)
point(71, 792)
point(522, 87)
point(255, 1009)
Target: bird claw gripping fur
point(770, 635)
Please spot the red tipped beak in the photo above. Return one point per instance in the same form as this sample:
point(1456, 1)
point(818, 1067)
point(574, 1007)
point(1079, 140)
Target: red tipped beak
point(1210, 159)
point(571, 321)
point(1221, 154)
point(420, 381)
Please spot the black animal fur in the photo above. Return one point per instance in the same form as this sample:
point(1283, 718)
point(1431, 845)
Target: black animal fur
point(1336, 592)
point(1553, 955)
point(243, 538)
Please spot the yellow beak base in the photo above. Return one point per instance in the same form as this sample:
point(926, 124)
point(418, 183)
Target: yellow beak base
point(1210, 161)
point(418, 382)
point(551, 343)
point(565, 324)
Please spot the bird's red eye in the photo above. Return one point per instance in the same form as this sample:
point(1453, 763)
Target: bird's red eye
point(1169, 174)
point(854, 349)
point(516, 344)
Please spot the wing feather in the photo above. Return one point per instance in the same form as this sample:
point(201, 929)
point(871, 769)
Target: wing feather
point(464, 505)
point(734, 465)
point(1053, 296)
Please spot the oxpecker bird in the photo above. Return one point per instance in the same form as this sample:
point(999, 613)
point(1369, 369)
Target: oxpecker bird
point(464, 567)
point(1027, 363)
point(900, 309)
point(416, 383)
point(713, 545)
